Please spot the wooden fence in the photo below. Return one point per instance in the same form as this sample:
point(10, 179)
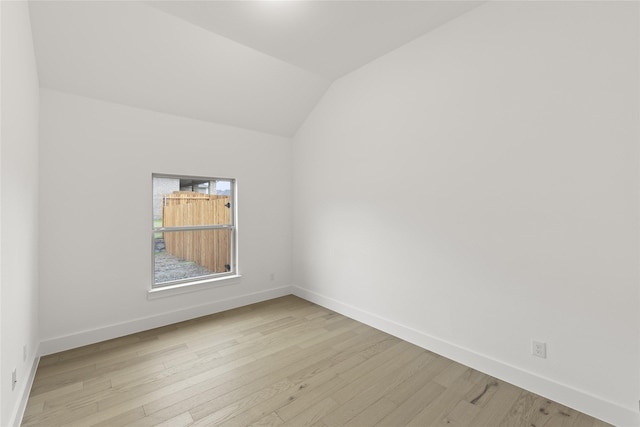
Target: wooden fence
point(209, 248)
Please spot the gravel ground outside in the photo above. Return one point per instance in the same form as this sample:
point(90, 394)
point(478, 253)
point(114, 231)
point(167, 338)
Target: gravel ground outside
point(169, 267)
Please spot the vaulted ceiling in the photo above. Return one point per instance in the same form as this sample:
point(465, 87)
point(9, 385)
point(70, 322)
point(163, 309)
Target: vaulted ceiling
point(260, 65)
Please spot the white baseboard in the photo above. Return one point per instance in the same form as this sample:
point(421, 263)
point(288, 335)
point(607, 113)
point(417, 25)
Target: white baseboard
point(92, 336)
point(578, 399)
point(18, 413)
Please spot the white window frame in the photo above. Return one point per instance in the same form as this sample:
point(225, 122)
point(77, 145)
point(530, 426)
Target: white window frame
point(198, 282)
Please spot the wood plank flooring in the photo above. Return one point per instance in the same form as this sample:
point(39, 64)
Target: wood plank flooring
point(284, 362)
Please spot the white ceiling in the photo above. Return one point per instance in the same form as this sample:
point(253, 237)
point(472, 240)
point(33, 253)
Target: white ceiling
point(260, 65)
point(329, 38)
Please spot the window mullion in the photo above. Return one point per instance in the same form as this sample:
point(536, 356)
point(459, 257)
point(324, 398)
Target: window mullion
point(194, 228)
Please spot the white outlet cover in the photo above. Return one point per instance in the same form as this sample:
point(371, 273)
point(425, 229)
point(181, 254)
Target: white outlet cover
point(539, 349)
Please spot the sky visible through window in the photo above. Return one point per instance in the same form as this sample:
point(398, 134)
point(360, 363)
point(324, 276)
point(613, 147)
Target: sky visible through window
point(223, 187)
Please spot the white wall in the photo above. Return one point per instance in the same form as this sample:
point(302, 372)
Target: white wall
point(19, 209)
point(96, 161)
point(478, 188)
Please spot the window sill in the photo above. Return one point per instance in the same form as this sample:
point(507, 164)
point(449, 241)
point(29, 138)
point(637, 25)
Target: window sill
point(184, 288)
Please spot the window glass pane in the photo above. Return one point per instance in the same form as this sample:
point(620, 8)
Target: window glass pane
point(183, 202)
point(181, 255)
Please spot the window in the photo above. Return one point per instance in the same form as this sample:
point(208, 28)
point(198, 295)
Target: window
point(194, 230)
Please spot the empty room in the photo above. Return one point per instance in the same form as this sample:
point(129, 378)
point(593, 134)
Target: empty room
point(328, 213)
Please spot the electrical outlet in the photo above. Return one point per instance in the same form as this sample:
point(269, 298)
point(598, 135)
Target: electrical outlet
point(14, 379)
point(272, 276)
point(539, 349)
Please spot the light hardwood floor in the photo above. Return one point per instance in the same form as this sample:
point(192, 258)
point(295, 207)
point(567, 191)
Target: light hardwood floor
point(284, 362)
